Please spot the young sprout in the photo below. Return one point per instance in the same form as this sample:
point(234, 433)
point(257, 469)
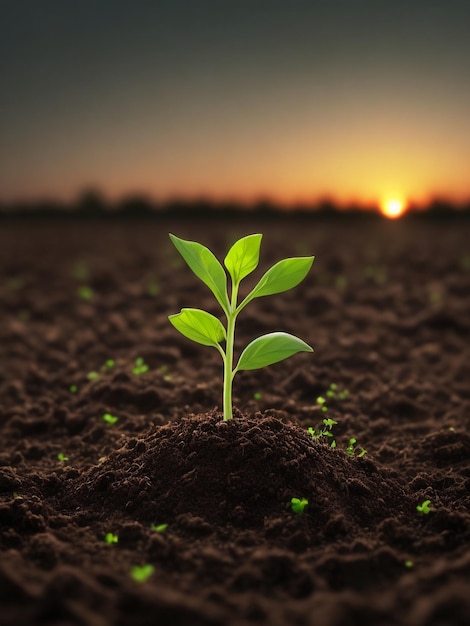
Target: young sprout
point(62, 457)
point(354, 450)
point(328, 424)
point(202, 327)
point(140, 366)
point(257, 395)
point(409, 564)
point(424, 508)
point(85, 292)
point(110, 363)
point(111, 538)
point(159, 528)
point(110, 419)
point(321, 401)
point(298, 505)
point(73, 388)
point(153, 289)
point(141, 573)
point(92, 375)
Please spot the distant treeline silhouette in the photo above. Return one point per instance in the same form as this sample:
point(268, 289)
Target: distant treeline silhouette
point(92, 204)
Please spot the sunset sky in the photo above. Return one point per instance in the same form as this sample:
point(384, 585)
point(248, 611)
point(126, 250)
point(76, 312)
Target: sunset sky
point(295, 100)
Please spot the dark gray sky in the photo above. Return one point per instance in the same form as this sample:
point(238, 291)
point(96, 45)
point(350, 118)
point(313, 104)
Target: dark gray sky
point(362, 99)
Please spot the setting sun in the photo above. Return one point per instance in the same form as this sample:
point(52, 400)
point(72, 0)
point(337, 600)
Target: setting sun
point(393, 208)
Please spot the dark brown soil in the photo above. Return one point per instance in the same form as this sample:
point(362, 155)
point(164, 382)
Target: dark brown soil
point(387, 308)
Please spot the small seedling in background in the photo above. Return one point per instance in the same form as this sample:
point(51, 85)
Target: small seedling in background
point(298, 505)
point(321, 401)
point(153, 289)
point(85, 292)
point(159, 528)
point(325, 431)
point(141, 573)
point(331, 391)
point(341, 282)
point(257, 395)
point(73, 388)
point(111, 538)
point(353, 450)
point(424, 508)
point(409, 564)
point(62, 458)
point(110, 419)
point(110, 363)
point(202, 327)
point(92, 375)
point(140, 366)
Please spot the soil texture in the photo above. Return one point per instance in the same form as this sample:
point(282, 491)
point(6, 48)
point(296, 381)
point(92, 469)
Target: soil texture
point(126, 500)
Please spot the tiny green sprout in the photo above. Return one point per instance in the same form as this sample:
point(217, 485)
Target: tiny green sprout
point(111, 538)
point(92, 375)
point(141, 573)
point(140, 366)
point(204, 328)
point(153, 289)
point(354, 450)
point(62, 457)
point(110, 363)
point(343, 394)
point(110, 419)
point(409, 564)
point(341, 282)
point(452, 428)
point(424, 508)
point(321, 401)
point(159, 528)
point(257, 395)
point(329, 423)
point(85, 292)
point(298, 505)
point(73, 388)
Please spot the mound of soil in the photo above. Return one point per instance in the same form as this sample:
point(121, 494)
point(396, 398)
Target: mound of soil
point(203, 505)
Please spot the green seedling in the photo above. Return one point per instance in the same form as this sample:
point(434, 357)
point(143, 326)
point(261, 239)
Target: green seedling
point(73, 388)
point(424, 508)
point(92, 375)
point(325, 431)
point(321, 401)
point(354, 450)
point(140, 366)
point(110, 419)
point(111, 538)
point(153, 289)
point(257, 395)
point(409, 564)
point(85, 292)
point(110, 363)
point(141, 573)
point(202, 327)
point(298, 505)
point(159, 528)
point(62, 458)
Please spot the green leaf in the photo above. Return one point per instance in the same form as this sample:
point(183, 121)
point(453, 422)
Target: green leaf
point(282, 276)
point(269, 349)
point(199, 326)
point(243, 257)
point(206, 267)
